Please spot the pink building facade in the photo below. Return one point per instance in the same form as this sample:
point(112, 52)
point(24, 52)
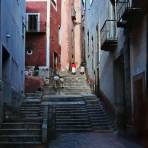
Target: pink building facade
point(71, 33)
point(43, 47)
point(55, 35)
point(36, 33)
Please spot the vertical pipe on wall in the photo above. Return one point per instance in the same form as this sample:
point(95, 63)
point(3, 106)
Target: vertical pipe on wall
point(48, 36)
point(0, 46)
point(147, 61)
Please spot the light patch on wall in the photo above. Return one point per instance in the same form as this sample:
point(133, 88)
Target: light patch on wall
point(36, 0)
point(91, 1)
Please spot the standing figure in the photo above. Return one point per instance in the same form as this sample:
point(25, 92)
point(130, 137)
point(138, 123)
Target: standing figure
point(36, 70)
point(73, 67)
point(82, 69)
point(56, 79)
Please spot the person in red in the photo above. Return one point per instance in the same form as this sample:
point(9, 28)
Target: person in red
point(73, 67)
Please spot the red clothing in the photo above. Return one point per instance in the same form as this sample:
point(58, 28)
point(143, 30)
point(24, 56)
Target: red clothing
point(73, 65)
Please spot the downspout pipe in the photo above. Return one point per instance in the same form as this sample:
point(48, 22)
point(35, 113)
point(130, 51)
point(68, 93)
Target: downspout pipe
point(147, 61)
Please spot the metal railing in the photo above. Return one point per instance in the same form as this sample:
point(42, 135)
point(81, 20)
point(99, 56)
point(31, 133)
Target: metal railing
point(109, 31)
point(121, 6)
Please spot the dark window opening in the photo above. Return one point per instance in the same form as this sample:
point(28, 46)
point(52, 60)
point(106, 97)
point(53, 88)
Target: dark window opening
point(33, 22)
point(54, 2)
point(5, 64)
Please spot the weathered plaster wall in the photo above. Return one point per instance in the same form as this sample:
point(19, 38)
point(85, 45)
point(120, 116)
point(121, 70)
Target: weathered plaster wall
point(37, 41)
point(12, 38)
point(55, 24)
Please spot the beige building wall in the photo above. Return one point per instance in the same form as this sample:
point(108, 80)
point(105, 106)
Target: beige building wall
point(77, 28)
point(71, 34)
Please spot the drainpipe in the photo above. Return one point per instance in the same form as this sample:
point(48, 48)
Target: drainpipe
point(48, 36)
point(147, 64)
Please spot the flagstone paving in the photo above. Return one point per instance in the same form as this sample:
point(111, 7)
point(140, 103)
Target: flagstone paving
point(91, 140)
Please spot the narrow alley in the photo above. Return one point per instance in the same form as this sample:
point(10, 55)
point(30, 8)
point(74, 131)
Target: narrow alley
point(73, 74)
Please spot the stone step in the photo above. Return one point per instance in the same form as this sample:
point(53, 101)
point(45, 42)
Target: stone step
point(63, 109)
point(71, 130)
point(72, 105)
point(99, 123)
point(74, 126)
point(21, 144)
point(72, 122)
point(33, 94)
point(71, 113)
point(72, 119)
point(97, 108)
point(30, 109)
point(26, 119)
point(31, 112)
point(32, 115)
point(20, 138)
point(83, 114)
point(99, 130)
point(102, 127)
point(31, 105)
point(32, 125)
point(65, 98)
point(97, 113)
point(70, 110)
point(98, 118)
point(20, 131)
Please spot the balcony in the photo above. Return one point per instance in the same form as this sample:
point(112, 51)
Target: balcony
point(109, 35)
point(39, 27)
point(126, 12)
point(73, 14)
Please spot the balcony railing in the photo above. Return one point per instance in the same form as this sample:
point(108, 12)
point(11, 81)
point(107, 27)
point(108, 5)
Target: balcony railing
point(127, 12)
point(40, 27)
point(109, 35)
point(122, 7)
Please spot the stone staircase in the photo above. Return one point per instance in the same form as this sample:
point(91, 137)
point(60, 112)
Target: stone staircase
point(72, 118)
point(76, 109)
point(100, 120)
point(76, 85)
point(25, 128)
point(73, 85)
point(79, 114)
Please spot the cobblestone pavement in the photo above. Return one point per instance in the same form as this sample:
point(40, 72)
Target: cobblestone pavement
point(90, 140)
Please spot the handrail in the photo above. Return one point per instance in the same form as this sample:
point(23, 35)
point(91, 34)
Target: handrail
point(45, 124)
point(105, 23)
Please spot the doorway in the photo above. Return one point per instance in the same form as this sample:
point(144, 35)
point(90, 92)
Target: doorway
point(119, 83)
point(55, 61)
point(139, 103)
point(5, 65)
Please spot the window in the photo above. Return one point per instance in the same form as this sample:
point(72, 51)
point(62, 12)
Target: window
point(60, 35)
point(23, 27)
point(54, 2)
point(33, 24)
